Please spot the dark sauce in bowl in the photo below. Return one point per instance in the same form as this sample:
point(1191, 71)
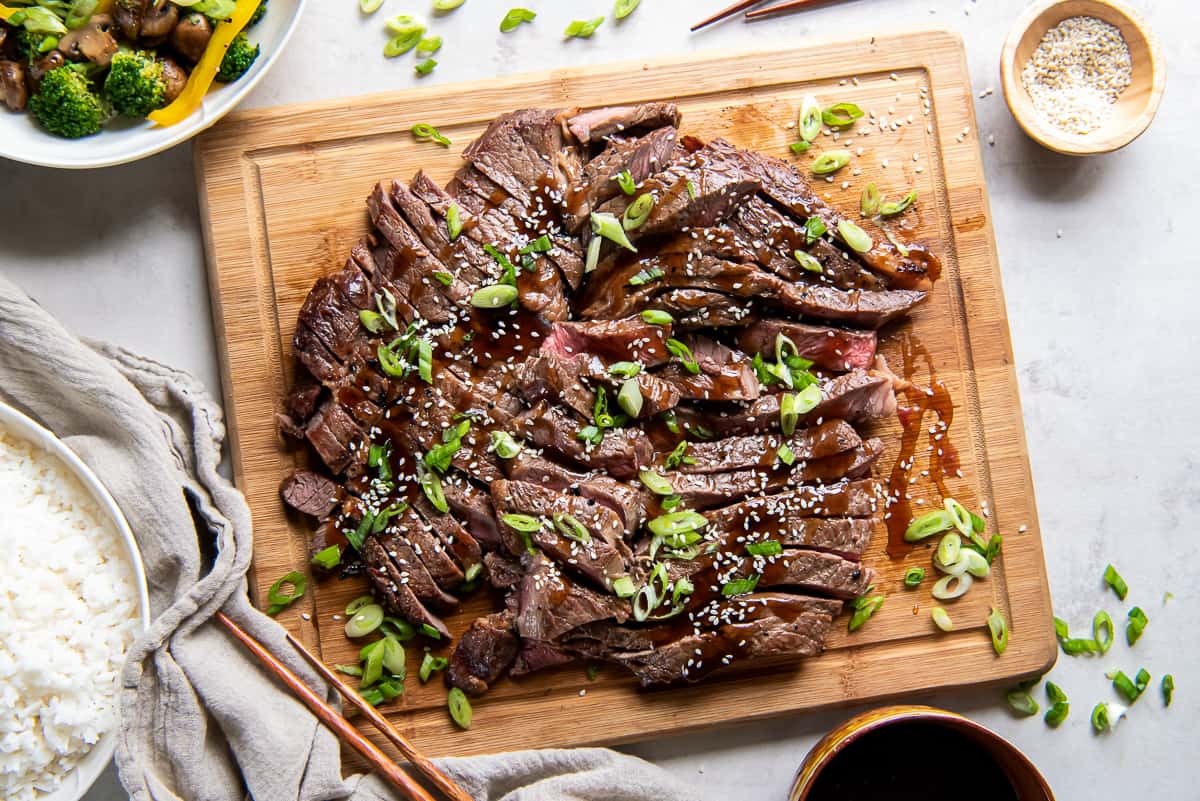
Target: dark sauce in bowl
point(913, 761)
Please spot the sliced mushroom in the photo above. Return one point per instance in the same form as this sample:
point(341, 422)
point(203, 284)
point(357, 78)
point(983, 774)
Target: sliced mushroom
point(175, 76)
point(12, 85)
point(158, 19)
point(190, 36)
point(93, 42)
point(47, 63)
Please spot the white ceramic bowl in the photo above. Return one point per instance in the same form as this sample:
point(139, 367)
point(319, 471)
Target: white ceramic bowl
point(123, 141)
point(77, 783)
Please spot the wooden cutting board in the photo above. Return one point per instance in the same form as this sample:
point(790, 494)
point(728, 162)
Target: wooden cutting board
point(283, 195)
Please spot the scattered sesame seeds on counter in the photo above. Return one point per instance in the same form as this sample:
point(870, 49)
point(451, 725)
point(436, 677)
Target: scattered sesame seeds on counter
point(1077, 72)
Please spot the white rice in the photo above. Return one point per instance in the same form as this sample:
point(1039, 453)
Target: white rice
point(68, 611)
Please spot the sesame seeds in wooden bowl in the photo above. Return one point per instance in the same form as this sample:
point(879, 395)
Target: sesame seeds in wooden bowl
point(1082, 76)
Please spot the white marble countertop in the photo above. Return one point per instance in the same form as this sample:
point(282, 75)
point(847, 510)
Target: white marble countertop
point(1101, 293)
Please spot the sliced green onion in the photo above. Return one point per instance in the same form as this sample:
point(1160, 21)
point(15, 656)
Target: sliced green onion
point(855, 237)
point(961, 516)
point(1168, 688)
point(447, 5)
point(454, 224)
point(425, 360)
point(788, 415)
point(655, 483)
point(646, 276)
point(808, 399)
point(765, 548)
point(364, 621)
point(504, 446)
point(460, 708)
point(402, 43)
point(810, 119)
point(591, 434)
point(515, 16)
point(943, 591)
point(976, 564)
point(1123, 685)
point(397, 629)
point(393, 658)
point(358, 603)
point(373, 665)
point(524, 523)
point(623, 8)
point(570, 527)
point(864, 607)
point(494, 296)
point(428, 46)
point(691, 189)
point(841, 115)
point(425, 67)
point(443, 278)
point(948, 549)
point(1021, 702)
point(1142, 680)
point(808, 261)
point(472, 572)
point(623, 587)
point(430, 664)
point(430, 632)
point(349, 670)
point(1113, 579)
point(609, 227)
point(1135, 626)
point(657, 317)
point(625, 180)
point(328, 558)
point(814, 229)
point(677, 523)
point(785, 454)
point(739, 586)
point(629, 398)
point(431, 485)
point(1075, 646)
point(682, 352)
point(800, 147)
point(1061, 631)
point(1057, 713)
point(914, 576)
point(593, 254)
point(637, 212)
point(830, 162)
point(998, 627)
point(869, 204)
point(899, 207)
point(978, 524)
point(941, 619)
point(1055, 693)
point(625, 369)
point(645, 601)
point(425, 132)
point(678, 456)
point(1106, 716)
point(278, 599)
point(1102, 631)
point(928, 524)
point(372, 321)
point(583, 29)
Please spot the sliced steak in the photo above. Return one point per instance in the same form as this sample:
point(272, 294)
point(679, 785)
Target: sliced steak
point(549, 603)
point(621, 498)
point(699, 308)
point(717, 373)
point(310, 493)
point(485, 651)
point(781, 518)
point(393, 588)
point(595, 124)
point(630, 339)
point(503, 572)
point(521, 152)
point(620, 453)
point(412, 571)
point(336, 437)
point(830, 348)
point(535, 656)
point(640, 157)
point(737, 453)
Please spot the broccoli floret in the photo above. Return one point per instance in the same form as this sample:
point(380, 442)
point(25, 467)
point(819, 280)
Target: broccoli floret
point(66, 105)
point(33, 46)
point(238, 58)
point(135, 84)
point(259, 13)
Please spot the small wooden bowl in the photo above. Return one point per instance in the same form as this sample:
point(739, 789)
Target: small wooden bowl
point(1026, 780)
point(1134, 109)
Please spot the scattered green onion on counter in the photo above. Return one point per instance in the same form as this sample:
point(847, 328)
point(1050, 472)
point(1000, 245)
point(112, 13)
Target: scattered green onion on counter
point(950, 587)
point(841, 115)
point(583, 29)
point(623, 8)
point(1021, 702)
point(460, 708)
point(369, 6)
point(864, 607)
point(941, 618)
point(830, 162)
point(1102, 631)
point(515, 17)
point(442, 6)
point(279, 599)
point(364, 621)
point(1106, 716)
point(431, 664)
point(998, 627)
point(890, 209)
point(800, 147)
point(928, 524)
point(425, 67)
point(948, 550)
point(1136, 625)
point(1113, 579)
point(914, 576)
point(869, 203)
point(1057, 713)
point(810, 119)
point(1168, 688)
point(424, 132)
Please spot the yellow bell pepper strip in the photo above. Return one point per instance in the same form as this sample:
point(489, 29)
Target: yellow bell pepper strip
point(205, 73)
point(6, 12)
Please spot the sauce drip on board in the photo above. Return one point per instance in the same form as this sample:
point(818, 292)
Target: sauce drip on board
point(943, 456)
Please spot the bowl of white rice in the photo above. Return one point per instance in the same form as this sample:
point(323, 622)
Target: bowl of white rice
point(72, 598)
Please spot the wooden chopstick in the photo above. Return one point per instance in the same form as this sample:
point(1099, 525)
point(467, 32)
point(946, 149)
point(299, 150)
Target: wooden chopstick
point(418, 760)
point(407, 786)
point(726, 12)
point(780, 8)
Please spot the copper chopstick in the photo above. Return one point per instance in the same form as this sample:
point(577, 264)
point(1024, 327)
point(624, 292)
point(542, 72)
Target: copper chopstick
point(780, 8)
point(418, 760)
point(329, 716)
point(726, 12)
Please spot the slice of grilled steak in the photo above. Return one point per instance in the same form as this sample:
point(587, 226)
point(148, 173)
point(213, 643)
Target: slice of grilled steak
point(483, 653)
point(595, 124)
point(839, 349)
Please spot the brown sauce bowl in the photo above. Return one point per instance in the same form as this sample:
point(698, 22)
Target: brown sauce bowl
point(1027, 782)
